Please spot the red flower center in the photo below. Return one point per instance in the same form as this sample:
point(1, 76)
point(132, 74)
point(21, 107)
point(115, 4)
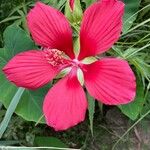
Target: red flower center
point(56, 57)
point(76, 63)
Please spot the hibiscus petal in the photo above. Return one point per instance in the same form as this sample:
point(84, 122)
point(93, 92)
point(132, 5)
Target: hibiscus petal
point(110, 81)
point(30, 69)
point(50, 28)
point(101, 27)
point(65, 104)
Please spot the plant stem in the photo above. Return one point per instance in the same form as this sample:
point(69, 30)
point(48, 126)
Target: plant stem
point(39, 120)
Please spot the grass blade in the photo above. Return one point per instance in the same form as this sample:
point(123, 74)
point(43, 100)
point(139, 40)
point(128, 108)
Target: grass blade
point(10, 111)
point(91, 109)
point(10, 19)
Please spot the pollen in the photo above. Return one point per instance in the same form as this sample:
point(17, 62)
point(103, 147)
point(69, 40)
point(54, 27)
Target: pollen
point(55, 57)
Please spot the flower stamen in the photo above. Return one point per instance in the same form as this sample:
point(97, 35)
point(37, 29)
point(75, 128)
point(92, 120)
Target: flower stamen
point(55, 57)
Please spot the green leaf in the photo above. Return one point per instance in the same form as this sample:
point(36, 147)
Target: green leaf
point(91, 109)
point(16, 40)
point(60, 4)
point(57, 3)
point(133, 109)
point(10, 111)
point(129, 52)
point(49, 142)
point(30, 106)
point(134, 51)
point(14, 10)
point(88, 2)
point(131, 7)
point(147, 103)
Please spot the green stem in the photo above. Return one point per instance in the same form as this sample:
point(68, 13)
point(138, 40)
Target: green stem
point(39, 120)
point(101, 108)
point(12, 106)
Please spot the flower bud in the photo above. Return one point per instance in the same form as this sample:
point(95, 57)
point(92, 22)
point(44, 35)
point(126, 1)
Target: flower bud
point(73, 11)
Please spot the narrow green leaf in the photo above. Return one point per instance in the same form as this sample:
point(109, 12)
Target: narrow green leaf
point(133, 51)
point(137, 26)
point(10, 110)
point(24, 21)
point(91, 109)
point(147, 103)
point(18, 8)
point(10, 19)
point(49, 142)
point(118, 51)
point(101, 108)
point(60, 4)
point(129, 52)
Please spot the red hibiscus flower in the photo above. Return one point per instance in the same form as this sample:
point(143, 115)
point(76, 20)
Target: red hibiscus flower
point(109, 80)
